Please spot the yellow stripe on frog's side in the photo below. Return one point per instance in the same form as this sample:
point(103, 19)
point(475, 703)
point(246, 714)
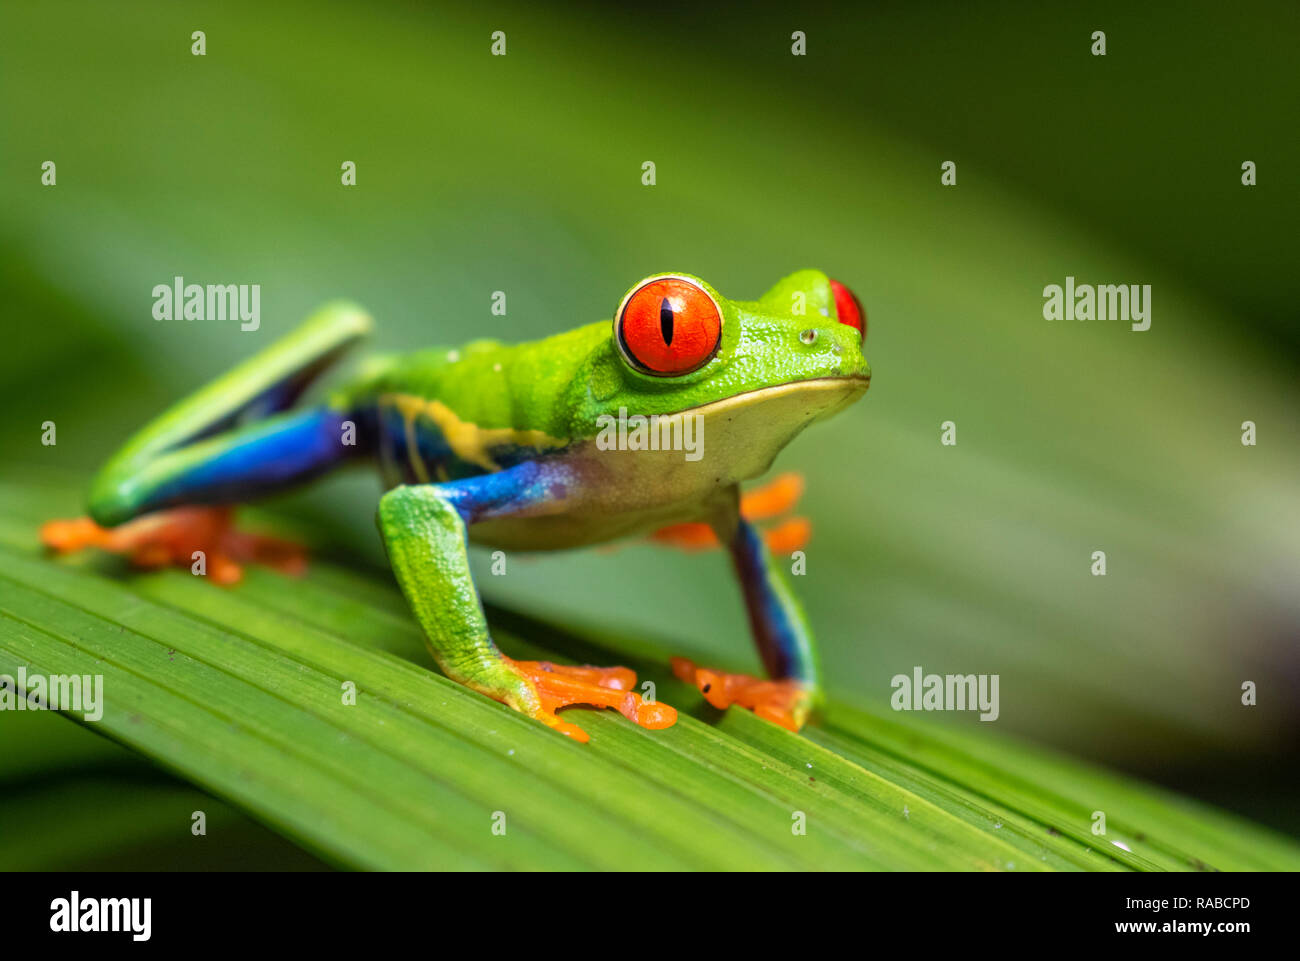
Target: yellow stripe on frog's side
point(467, 441)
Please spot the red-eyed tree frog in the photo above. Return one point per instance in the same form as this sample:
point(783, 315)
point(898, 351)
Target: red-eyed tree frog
point(643, 427)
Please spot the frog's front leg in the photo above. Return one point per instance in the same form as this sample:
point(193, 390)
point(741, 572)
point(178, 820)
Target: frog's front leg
point(779, 626)
point(423, 527)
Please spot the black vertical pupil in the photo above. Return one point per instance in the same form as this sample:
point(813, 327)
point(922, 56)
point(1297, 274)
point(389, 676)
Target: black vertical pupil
point(666, 321)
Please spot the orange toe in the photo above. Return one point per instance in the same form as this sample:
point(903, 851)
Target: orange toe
point(561, 685)
point(687, 537)
point(785, 702)
point(72, 535)
point(773, 499)
point(789, 537)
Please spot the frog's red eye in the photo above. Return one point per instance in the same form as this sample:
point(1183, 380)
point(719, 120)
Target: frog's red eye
point(849, 309)
point(669, 326)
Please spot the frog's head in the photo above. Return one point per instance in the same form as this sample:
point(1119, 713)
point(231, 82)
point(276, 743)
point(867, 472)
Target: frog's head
point(759, 371)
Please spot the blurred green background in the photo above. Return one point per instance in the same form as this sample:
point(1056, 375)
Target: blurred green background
point(523, 174)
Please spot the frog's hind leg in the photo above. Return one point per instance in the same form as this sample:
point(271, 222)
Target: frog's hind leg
point(179, 502)
point(164, 495)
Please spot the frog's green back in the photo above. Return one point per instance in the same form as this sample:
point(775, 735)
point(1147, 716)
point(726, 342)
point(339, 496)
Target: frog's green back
point(523, 386)
point(559, 388)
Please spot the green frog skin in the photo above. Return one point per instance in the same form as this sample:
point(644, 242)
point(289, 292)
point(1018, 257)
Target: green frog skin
point(511, 446)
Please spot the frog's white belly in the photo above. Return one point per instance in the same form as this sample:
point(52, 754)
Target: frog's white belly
point(620, 493)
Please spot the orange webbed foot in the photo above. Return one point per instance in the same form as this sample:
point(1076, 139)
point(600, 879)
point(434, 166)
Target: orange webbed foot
point(771, 500)
point(172, 537)
point(786, 702)
point(560, 686)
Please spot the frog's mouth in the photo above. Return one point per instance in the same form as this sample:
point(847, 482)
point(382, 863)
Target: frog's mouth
point(728, 440)
point(742, 435)
point(821, 397)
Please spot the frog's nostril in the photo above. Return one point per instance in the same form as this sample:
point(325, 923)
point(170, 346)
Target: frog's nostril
point(849, 309)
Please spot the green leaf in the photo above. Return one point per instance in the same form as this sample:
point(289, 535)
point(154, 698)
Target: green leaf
point(240, 692)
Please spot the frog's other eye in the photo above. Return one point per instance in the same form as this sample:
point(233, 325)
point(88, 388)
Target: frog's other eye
point(849, 309)
point(668, 326)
